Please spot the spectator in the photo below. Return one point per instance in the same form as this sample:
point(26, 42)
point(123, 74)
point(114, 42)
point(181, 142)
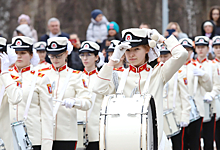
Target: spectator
point(54, 30)
point(214, 16)
point(174, 28)
point(144, 25)
point(113, 34)
point(208, 29)
point(25, 19)
point(74, 60)
point(97, 30)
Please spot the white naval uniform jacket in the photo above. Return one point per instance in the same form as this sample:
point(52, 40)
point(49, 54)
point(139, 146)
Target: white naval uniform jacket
point(178, 101)
point(204, 82)
point(137, 77)
point(214, 75)
point(12, 95)
point(93, 121)
point(65, 123)
point(40, 115)
point(43, 64)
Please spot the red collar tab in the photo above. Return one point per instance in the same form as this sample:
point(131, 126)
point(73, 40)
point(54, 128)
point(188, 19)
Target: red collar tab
point(217, 60)
point(202, 60)
point(139, 69)
point(23, 69)
point(60, 69)
point(42, 62)
point(89, 73)
point(119, 69)
point(188, 62)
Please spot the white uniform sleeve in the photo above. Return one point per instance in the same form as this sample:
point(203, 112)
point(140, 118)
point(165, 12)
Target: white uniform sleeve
point(184, 96)
point(14, 92)
point(104, 84)
point(179, 56)
point(46, 106)
point(84, 96)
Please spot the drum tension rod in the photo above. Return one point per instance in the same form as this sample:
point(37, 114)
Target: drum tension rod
point(110, 114)
point(133, 114)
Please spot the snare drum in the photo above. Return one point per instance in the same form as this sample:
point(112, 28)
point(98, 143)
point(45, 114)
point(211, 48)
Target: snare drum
point(2, 145)
point(128, 123)
point(20, 137)
point(217, 104)
point(169, 123)
point(208, 112)
point(194, 113)
point(82, 137)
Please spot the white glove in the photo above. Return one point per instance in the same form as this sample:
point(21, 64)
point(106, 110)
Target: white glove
point(69, 47)
point(208, 97)
point(119, 51)
point(12, 55)
point(154, 35)
point(101, 60)
point(183, 124)
point(69, 102)
point(198, 72)
point(5, 63)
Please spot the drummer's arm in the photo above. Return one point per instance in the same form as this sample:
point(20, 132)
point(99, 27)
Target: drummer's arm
point(184, 95)
point(216, 81)
point(104, 84)
point(179, 56)
point(14, 92)
point(205, 82)
point(46, 106)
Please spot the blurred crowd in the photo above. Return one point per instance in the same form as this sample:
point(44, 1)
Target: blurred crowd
point(101, 31)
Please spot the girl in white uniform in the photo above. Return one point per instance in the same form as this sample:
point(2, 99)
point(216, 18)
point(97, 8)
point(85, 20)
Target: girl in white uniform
point(216, 47)
point(10, 93)
point(175, 97)
point(138, 53)
point(39, 115)
point(68, 89)
point(89, 56)
point(198, 80)
point(202, 48)
point(41, 51)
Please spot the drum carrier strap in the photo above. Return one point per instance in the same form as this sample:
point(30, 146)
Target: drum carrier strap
point(62, 93)
point(30, 94)
point(124, 79)
point(2, 94)
point(175, 89)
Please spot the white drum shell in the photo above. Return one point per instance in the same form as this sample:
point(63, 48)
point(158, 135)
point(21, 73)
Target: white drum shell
point(170, 125)
point(122, 128)
point(20, 137)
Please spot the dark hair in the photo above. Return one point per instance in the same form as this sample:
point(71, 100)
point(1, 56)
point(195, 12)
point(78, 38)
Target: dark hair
point(146, 47)
point(144, 23)
point(210, 14)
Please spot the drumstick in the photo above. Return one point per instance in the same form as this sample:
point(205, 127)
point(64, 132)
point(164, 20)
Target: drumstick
point(62, 102)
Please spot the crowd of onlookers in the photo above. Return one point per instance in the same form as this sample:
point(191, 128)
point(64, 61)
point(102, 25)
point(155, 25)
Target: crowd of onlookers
point(101, 31)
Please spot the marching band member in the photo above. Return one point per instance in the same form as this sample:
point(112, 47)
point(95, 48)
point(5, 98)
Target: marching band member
point(41, 51)
point(193, 71)
point(176, 98)
point(202, 48)
point(216, 47)
point(68, 87)
point(138, 53)
point(89, 56)
point(39, 116)
point(110, 51)
point(10, 93)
